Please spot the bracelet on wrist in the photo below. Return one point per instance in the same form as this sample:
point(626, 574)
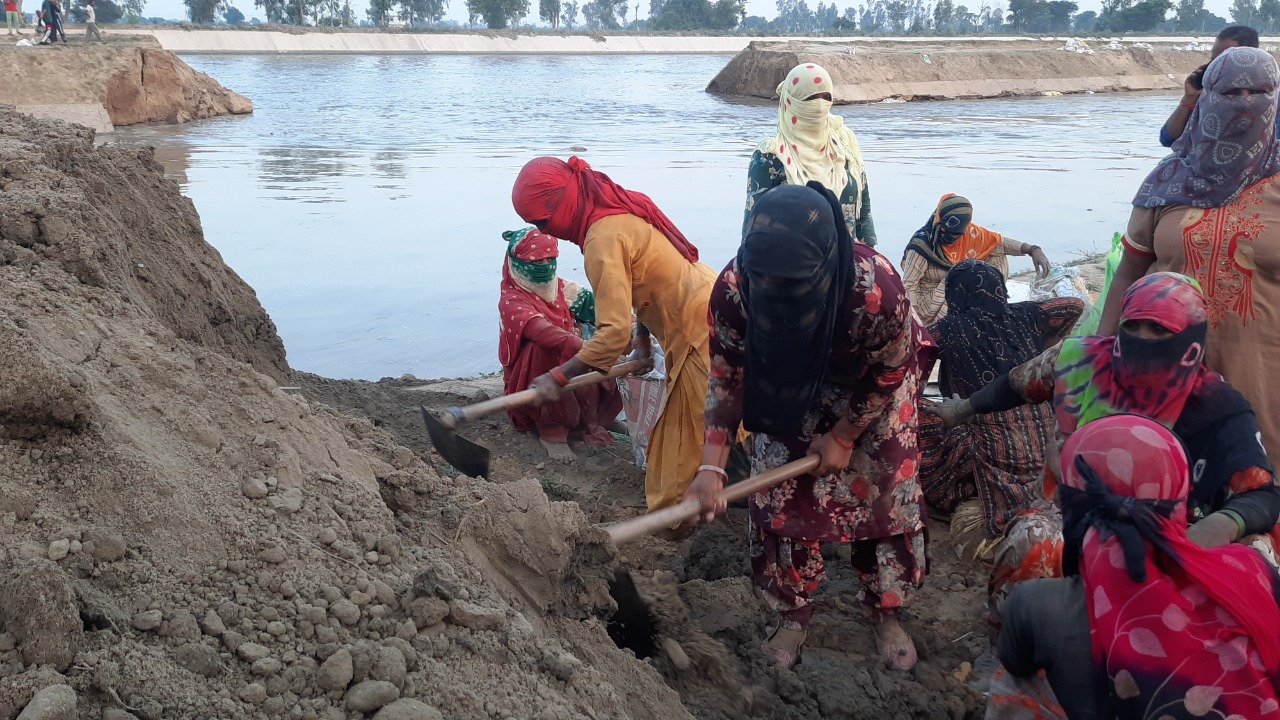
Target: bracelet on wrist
point(842, 443)
point(715, 469)
point(558, 375)
point(1189, 106)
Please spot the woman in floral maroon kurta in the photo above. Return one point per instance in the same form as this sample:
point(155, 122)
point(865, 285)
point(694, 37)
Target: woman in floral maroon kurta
point(836, 373)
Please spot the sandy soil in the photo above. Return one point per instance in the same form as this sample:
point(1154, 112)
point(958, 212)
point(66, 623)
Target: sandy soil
point(950, 71)
point(182, 537)
point(132, 77)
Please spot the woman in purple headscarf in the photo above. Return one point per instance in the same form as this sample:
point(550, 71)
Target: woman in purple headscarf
point(1211, 211)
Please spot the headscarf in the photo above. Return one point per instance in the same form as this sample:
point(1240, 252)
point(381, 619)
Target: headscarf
point(796, 270)
point(570, 197)
point(812, 143)
point(523, 299)
point(950, 235)
point(1194, 632)
point(1229, 143)
point(983, 336)
point(1100, 376)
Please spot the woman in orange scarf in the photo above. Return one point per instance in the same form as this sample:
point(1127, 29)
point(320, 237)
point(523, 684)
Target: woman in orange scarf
point(949, 237)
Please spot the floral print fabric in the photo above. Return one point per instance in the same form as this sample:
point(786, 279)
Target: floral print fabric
point(766, 172)
point(873, 379)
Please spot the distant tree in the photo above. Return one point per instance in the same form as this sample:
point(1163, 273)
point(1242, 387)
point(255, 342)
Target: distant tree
point(1187, 14)
point(944, 13)
point(604, 14)
point(1085, 22)
point(755, 22)
point(549, 10)
point(203, 11)
point(1244, 12)
point(1268, 15)
point(380, 12)
point(1059, 15)
point(105, 11)
point(698, 15)
point(498, 13)
point(414, 11)
point(232, 15)
point(278, 11)
point(569, 14)
point(1127, 16)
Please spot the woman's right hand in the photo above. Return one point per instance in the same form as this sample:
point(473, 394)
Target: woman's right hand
point(953, 411)
point(706, 487)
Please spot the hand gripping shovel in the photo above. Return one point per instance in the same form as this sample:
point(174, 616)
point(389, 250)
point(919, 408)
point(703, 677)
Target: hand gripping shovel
point(634, 625)
point(472, 459)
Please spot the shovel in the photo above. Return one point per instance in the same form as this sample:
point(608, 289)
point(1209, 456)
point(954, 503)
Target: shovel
point(634, 625)
point(472, 459)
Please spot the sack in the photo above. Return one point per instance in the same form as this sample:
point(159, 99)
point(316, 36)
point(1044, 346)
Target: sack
point(1088, 324)
point(641, 401)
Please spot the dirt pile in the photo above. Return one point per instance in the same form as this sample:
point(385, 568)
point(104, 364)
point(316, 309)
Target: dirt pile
point(183, 539)
point(864, 74)
point(132, 78)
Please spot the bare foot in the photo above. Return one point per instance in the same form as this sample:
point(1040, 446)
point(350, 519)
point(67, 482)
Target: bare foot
point(559, 452)
point(783, 647)
point(894, 644)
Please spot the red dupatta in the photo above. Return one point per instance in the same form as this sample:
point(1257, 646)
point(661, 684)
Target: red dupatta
point(566, 199)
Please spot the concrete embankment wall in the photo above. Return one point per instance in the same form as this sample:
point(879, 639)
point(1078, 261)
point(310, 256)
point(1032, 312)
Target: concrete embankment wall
point(365, 42)
point(946, 72)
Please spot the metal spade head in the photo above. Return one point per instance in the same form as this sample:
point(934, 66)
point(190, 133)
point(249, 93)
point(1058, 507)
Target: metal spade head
point(468, 457)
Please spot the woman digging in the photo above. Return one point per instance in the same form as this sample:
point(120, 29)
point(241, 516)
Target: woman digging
point(814, 350)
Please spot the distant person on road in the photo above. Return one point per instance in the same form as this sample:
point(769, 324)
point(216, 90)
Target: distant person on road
point(13, 17)
point(1234, 36)
point(91, 21)
point(812, 144)
point(53, 20)
point(1211, 210)
point(637, 261)
point(541, 319)
point(949, 237)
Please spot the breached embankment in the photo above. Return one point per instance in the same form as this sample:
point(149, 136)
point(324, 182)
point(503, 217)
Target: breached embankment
point(181, 538)
point(864, 74)
point(124, 82)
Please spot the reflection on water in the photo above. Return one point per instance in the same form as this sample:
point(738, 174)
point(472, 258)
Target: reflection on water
point(365, 197)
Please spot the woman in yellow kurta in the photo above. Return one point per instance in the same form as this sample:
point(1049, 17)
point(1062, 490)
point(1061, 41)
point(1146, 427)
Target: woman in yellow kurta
point(637, 261)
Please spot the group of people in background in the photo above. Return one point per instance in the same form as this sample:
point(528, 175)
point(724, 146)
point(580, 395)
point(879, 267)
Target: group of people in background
point(50, 19)
point(1118, 484)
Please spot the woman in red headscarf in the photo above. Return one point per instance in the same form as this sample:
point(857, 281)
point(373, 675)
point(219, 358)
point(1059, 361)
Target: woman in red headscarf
point(1176, 630)
point(637, 261)
point(541, 318)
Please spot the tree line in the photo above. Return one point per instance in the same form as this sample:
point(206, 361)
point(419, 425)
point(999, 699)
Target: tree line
point(940, 17)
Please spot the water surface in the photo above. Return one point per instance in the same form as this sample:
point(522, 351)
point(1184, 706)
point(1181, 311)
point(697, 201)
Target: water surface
point(365, 197)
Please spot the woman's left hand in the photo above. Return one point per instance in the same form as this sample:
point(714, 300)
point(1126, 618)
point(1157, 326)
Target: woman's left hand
point(834, 453)
point(1041, 262)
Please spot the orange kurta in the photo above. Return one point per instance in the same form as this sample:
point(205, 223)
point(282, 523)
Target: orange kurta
point(634, 268)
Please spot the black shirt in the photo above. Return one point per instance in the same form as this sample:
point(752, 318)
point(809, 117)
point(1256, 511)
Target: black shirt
point(1045, 626)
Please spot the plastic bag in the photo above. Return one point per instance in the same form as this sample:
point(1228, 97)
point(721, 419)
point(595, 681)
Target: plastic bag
point(1088, 324)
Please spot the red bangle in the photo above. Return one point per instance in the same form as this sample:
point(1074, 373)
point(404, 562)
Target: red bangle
point(1192, 106)
point(840, 442)
point(558, 375)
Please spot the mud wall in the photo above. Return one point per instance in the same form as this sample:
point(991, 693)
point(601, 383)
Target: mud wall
point(137, 83)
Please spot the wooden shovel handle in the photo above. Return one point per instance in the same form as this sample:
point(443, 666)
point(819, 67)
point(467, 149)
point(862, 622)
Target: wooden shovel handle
point(456, 416)
point(628, 530)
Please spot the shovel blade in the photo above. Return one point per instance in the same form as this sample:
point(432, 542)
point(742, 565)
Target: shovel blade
point(467, 457)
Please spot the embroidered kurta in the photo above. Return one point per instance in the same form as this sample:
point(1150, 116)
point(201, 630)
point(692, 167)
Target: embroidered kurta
point(1233, 251)
point(872, 378)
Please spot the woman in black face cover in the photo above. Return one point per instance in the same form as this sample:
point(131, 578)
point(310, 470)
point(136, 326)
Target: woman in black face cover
point(815, 350)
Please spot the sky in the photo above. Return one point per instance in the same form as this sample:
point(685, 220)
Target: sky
point(457, 8)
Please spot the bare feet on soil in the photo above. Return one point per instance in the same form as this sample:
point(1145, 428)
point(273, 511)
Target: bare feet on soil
point(894, 644)
point(559, 452)
point(784, 647)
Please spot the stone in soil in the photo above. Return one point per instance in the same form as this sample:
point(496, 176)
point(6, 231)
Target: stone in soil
point(408, 709)
point(39, 606)
point(56, 702)
point(336, 672)
point(370, 695)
